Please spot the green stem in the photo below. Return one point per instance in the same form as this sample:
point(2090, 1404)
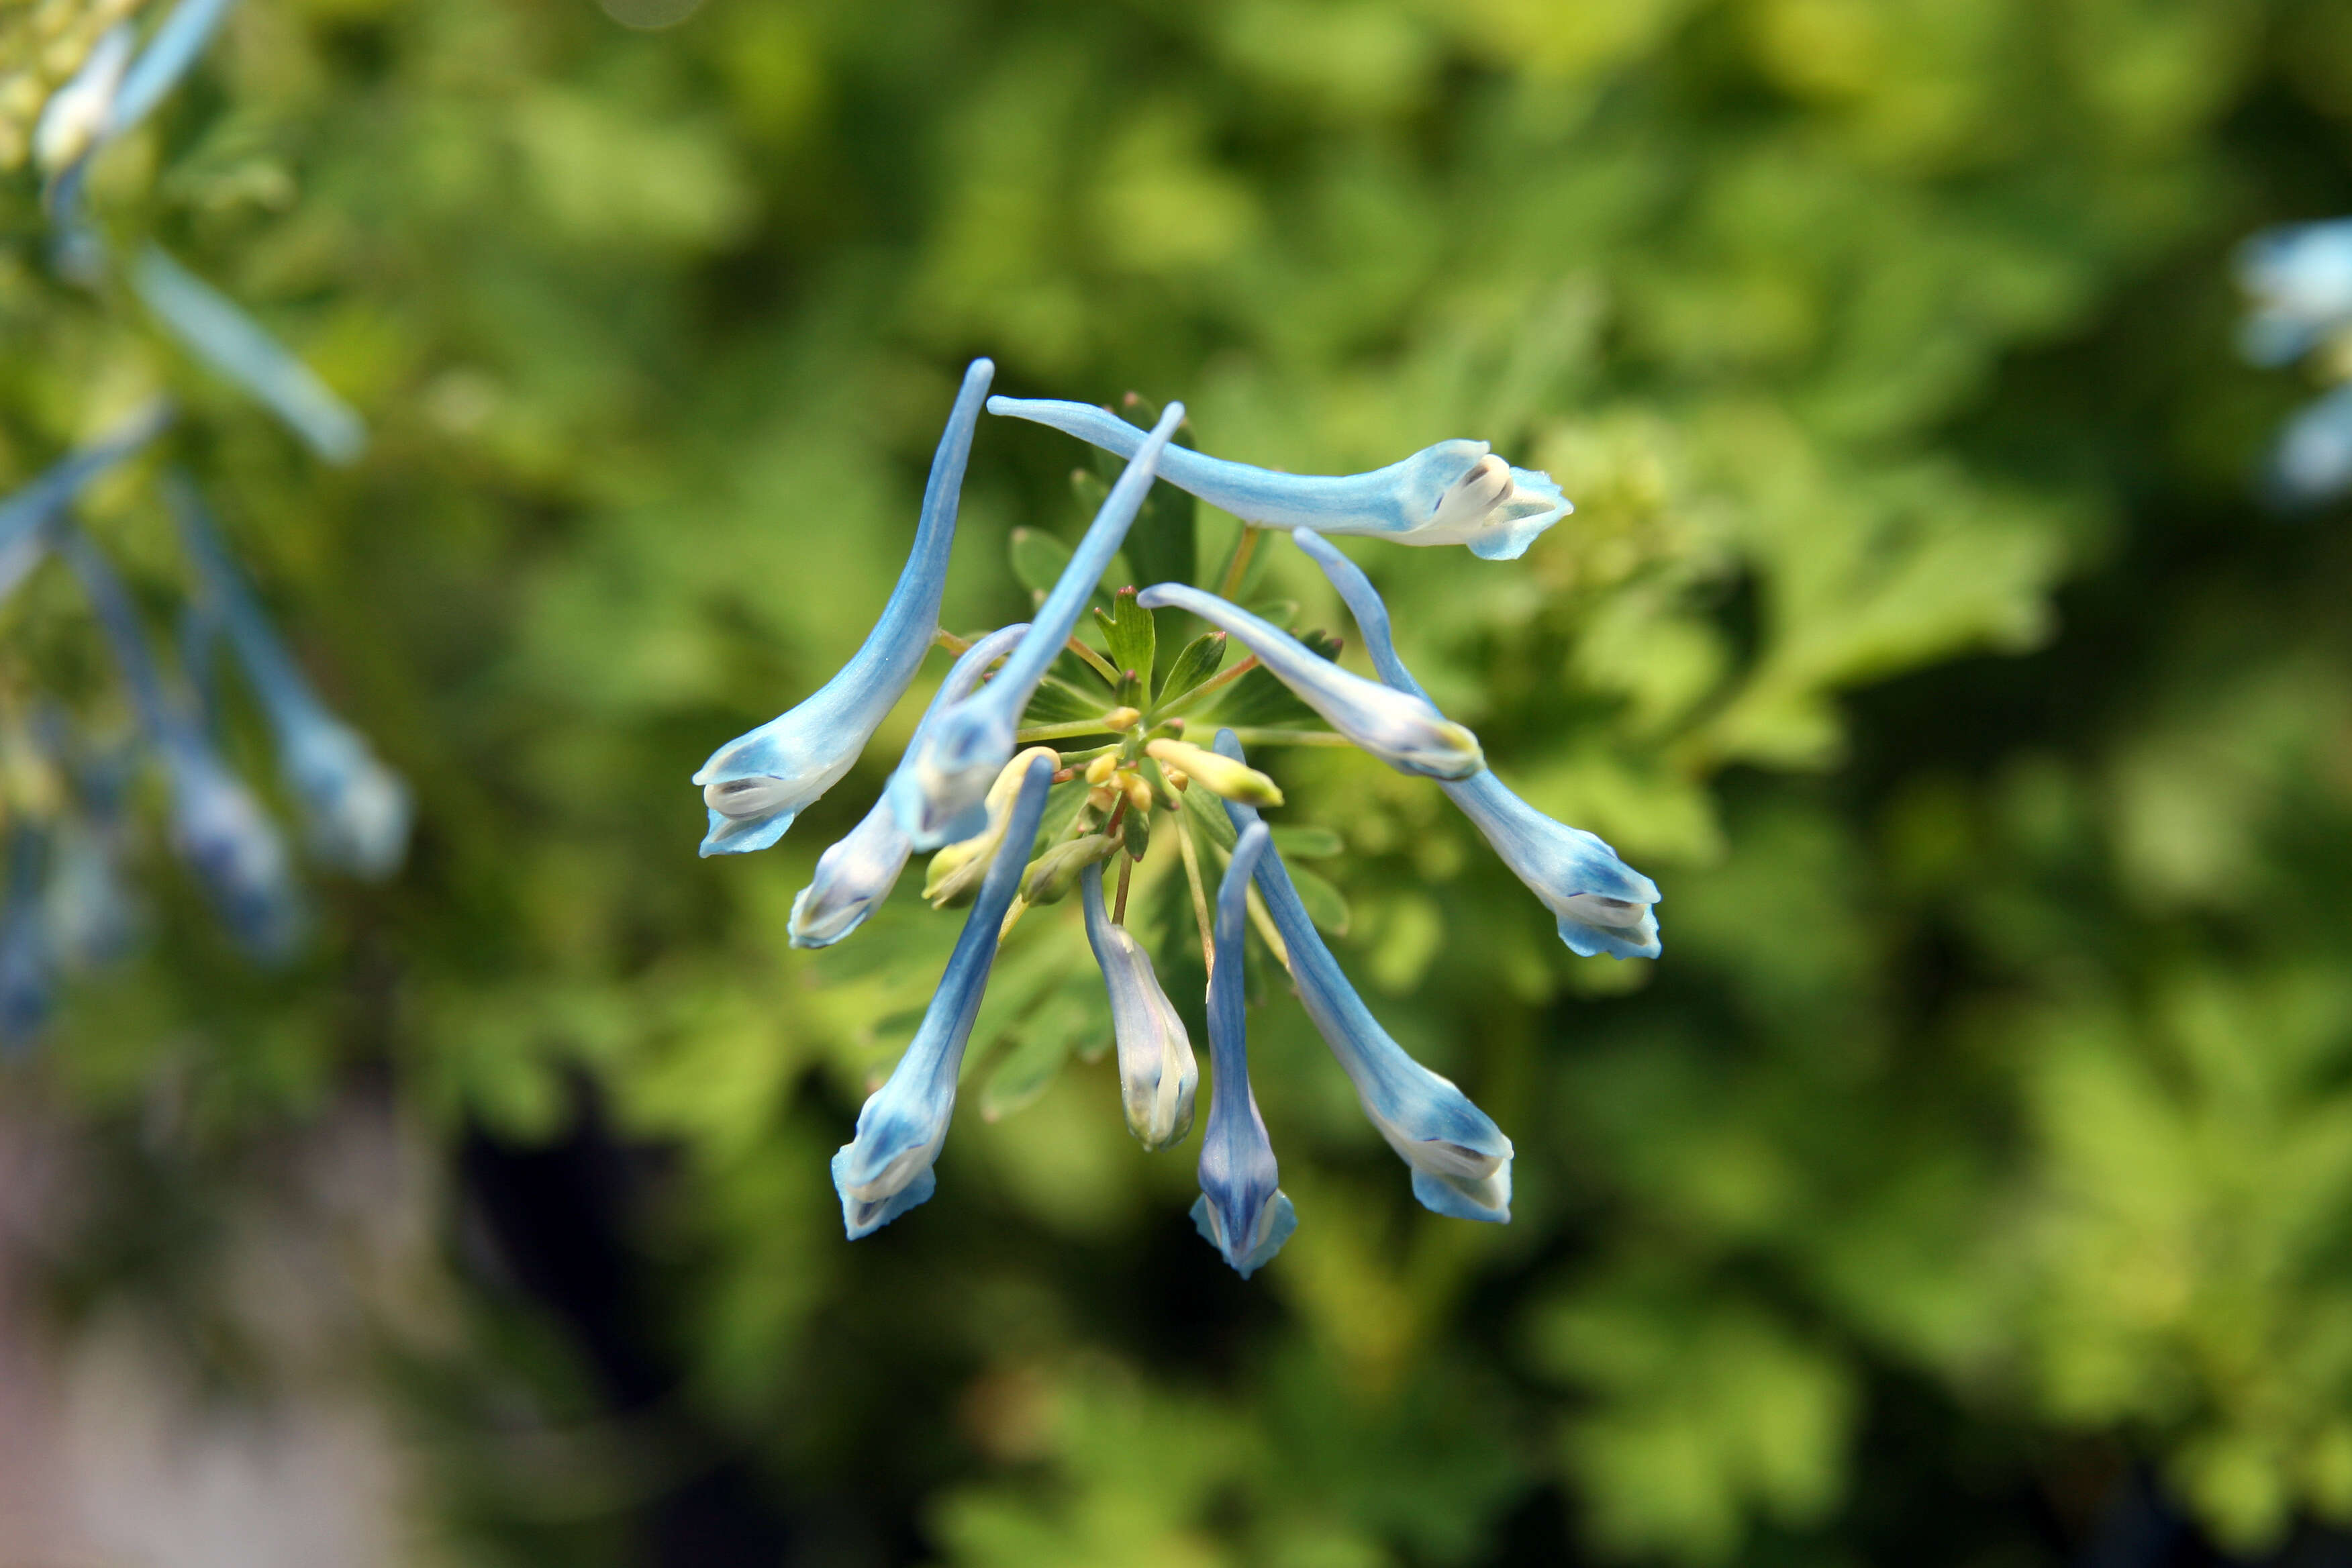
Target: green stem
point(1244, 548)
point(1101, 664)
point(1216, 682)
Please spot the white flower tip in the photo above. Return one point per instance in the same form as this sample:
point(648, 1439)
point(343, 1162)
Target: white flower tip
point(748, 798)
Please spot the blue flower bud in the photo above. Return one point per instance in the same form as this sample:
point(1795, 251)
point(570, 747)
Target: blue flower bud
point(1461, 1161)
point(886, 1169)
point(940, 790)
point(1242, 1211)
point(1456, 492)
point(1602, 904)
point(1403, 729)
point(856, 875)
point(755, 784)
point(1158, 1076)
point(2313, 461)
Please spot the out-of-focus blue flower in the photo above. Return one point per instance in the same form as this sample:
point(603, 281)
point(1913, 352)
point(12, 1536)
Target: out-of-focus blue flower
point(357, 810)
point(174, 48)
point(218, 332)
point(27, 977)
point(24, 516)
point(1403, 729)
point(755, 784)
point(856, 875)
point(1461, 1161)
point(1602, 904)
point(2299, 277)
point(1456, 492)
point(75, 115)
point(939, 791)
point(217, 826)
point(1242, 1211)
point(2313, 461)
point(886, 1169)
point(1158, 1076)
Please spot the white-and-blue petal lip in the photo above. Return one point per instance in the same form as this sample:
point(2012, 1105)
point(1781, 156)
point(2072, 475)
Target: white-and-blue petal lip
point(1241, 1210)
point(758, 782)
point(1403, 729)
point(1602, 904)
point(854, 876)
point(2312, 462)
point(886, 1169)
point(1460, 1162)
point(1456, 492)
point(1157, 1075)
point(2299, 277)
point(941, 788)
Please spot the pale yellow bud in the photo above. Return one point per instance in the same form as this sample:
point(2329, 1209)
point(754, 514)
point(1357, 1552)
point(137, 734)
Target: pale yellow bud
point(1219, 775)
point(1122, 718)
point(1101, 768)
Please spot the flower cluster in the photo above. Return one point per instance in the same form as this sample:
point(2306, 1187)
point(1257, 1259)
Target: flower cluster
point(1015, 817)
point(64, 789)
point(2299, 281)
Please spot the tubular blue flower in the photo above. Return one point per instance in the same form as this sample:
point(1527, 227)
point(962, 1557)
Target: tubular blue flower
point(1158, 1076)
point(27, 977)
point(24, 516)
point(1403, 729)
point(1460, 1162)
point(1456, 492)
point(886, 1169)
point(939, 792)
point(2299, 277)
point(1602, 904)
point(856, 874)
point(755, 784)
point(75, 115)
point(356, 809)
point(217, 826)
point(1242, 1211)
point(2313, 461)
point(218, 332)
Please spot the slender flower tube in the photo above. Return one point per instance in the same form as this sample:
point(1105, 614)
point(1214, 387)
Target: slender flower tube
point(2299, 277)
point(357, 810)
point(1456, 492)
point(1602, 904)
point(1461, 1161)
point(171, 50)
point(755, 784)
point(937, 793)
point(218, 332)
point(1403, 729)
point(24, 516)
point(1158, 1076)
point(958, 869)
point(217, 826)
point(74, 116)
point(1241, 1210)
point(886, 1170)
point(27, 978)
point(856, 874)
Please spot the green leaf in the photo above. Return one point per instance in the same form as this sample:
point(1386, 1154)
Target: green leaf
point(1129, 635)
point(1193, 664)
point(1207, 814)
point(1325, 905)
point(1258, 698)
point(1058, 702)
point(1307, 843)
point(1033, 1065)
point(1038, 559)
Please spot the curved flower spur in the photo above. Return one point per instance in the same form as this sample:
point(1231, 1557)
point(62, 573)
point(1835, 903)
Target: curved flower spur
point(1132, 796)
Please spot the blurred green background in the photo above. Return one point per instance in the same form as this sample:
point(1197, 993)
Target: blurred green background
point(1971, 1183)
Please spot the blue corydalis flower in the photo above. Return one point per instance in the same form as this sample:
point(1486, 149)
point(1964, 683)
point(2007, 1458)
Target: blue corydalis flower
point(1456, 492)
point(27, 971)
point(26, 515)
point(1158, 1076)
point(1461, 1161)
point(217, 826)
point(886, 1169)
point(1242, 1211)
point(2299, 277)
point(856, 874)
point(1602, 904)
point(356, 809)
point(755, 784)
point(939, 792)
point(1403, 729)
point(2313, 461)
